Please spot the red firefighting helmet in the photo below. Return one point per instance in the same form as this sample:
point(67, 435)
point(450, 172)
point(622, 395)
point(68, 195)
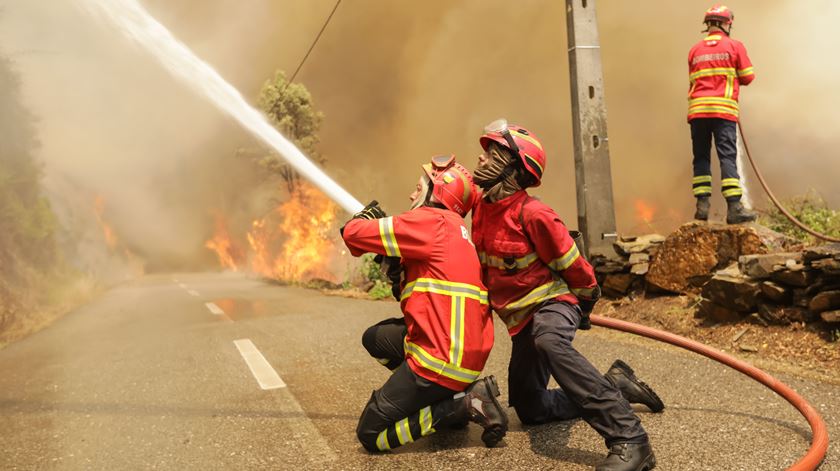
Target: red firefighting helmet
point(719, 13)
point(452, 184)
point(521, 142)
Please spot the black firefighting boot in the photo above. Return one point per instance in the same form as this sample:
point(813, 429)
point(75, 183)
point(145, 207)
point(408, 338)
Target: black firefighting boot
point(635, 391)
point(628, 457)
point(485, 410)
point(736, 213)
point(703, 205)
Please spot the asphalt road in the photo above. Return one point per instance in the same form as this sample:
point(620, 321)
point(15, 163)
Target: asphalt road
point(149, 377)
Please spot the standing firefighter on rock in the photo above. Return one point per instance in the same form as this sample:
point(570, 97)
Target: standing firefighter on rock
point(718, 65)
point(544, 290)
point(438, 349)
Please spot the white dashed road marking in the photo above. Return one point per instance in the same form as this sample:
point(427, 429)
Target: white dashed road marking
point(260, 368)
point(182, 285)
point(214, 309)
point(192, 292)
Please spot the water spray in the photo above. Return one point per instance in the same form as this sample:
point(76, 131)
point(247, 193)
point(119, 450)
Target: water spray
point(136, 23)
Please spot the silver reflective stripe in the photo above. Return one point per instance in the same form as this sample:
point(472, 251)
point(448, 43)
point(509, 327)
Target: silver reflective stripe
point(499, 262)
point(448, 288)
point(564, 262)
point(389, 239)
point(426, 421)
point(440, 367)
point(456, 330)
point(539, 294)
point(403, 433)
point(382, 441)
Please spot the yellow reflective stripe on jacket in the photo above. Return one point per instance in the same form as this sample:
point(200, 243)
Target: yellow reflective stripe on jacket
point(446, 288)
point(713, 109)
point(514, 318)
point(585, 293)
point(745, 72)
point(499, 262)
point(716, 100)
point(730, 87)
point(403, 432)
point(389, 239)
point(564, 262)
point(539, 294)
point(712, 37)
point(382, 441)
point(712, 72)
point(456, 330)
point(440, 367)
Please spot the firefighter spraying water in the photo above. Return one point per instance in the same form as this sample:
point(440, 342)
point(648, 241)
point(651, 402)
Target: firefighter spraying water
point(448, 389)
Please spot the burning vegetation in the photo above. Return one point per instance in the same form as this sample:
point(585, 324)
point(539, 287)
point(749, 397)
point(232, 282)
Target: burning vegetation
point(294, 242)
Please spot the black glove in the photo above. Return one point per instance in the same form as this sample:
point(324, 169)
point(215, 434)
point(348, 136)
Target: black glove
point(586, 306)
point(393, 270)
point(371, 211)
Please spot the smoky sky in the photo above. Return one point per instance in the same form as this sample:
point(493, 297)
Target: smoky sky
point(399, 82)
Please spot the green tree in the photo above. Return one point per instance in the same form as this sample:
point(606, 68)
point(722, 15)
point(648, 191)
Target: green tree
point(289, 108)
point(27, 223)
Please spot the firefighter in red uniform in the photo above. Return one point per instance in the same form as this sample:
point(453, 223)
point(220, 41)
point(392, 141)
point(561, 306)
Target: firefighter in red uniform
point(438, 349)
point(544, 291)
point(717, 65)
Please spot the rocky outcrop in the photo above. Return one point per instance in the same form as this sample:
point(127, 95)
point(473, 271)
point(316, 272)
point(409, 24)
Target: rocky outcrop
point(686, 259)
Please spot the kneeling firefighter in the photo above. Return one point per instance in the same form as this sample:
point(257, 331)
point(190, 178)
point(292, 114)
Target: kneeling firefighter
point(544, 290)
point(438, 349)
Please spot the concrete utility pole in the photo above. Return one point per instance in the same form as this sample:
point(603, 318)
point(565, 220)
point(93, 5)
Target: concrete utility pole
point(596, 213)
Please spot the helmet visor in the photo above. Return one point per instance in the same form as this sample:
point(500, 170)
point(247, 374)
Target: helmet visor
point(500, 126)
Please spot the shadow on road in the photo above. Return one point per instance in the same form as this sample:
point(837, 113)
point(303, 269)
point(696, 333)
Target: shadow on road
point(552, 441)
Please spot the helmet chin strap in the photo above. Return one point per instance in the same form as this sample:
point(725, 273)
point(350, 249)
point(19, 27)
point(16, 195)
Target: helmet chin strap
point(717, 25)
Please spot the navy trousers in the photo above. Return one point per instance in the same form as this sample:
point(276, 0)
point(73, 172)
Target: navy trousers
point(544, 349)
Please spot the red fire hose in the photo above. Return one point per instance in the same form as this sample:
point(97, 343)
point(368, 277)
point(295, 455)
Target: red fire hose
point(819, 435)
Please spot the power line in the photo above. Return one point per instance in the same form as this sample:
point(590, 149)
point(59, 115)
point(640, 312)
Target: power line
point(292, 78)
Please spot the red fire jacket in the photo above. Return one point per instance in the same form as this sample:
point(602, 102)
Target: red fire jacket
point(717, 66)
point(524, 266)
point(450, 328)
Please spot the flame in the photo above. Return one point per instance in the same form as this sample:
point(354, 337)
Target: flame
point(135, 264)
point(644, 211)
point(293, 242)
point(222, 244)
point(107, 231)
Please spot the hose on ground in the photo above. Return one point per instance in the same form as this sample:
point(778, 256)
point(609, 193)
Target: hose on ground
point(819, 434)
point(772, 197)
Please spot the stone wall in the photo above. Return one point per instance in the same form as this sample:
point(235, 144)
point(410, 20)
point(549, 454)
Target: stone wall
point(739, 271)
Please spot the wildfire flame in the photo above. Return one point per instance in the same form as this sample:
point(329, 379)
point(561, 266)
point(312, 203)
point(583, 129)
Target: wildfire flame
point(135, 263)
point(107, 231)
point(644, 211)
point(222, 244)
point(293, 242)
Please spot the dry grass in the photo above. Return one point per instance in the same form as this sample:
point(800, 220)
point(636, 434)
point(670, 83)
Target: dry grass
point(63, 296)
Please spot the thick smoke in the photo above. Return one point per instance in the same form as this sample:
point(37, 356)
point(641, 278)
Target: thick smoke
point(399, 82)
